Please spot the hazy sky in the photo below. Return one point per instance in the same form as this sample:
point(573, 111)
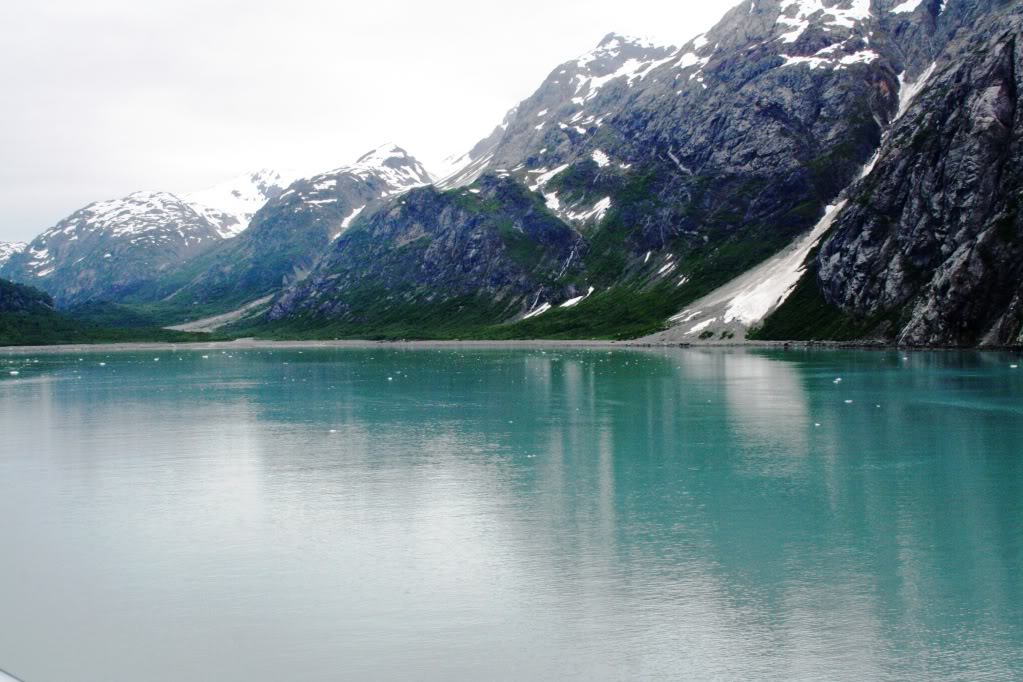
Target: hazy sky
point(106, 97)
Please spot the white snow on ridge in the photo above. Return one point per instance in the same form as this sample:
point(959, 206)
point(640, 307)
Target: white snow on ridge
point(861, 57)
point(805, 9)
point(396, 166)
point(8, 249)
point(598, 210)
point(545, 176)
point(906, 7)
point(230, 205)
point(138, 213)
point(691, 59)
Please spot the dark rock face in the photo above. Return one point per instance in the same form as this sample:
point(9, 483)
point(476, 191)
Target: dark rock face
point(496, 242)
point(113, 250)
point(291, 232)
point(759, 123)
point(931, 240)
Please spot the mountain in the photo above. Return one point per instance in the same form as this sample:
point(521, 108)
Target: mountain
point(8, 249)
point(568, 104)
point(230, 206)
point(293, 230)
point(434, 257)
point(682, 169)
point(123, 249)
point(842, 169)
point(929, 250)
point(114, 250)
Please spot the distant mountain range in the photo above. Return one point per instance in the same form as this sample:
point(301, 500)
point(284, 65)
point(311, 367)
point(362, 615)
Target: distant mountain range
point(807, 169)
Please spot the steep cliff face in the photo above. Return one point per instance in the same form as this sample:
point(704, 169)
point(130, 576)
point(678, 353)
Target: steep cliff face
point(929, 249)
point(470, 255)
point(114, 250)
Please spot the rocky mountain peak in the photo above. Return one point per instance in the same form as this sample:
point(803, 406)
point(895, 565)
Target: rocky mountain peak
point(396, 166)
point(230, 205)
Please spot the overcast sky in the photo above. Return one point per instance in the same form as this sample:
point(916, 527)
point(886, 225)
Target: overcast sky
point(106, 97)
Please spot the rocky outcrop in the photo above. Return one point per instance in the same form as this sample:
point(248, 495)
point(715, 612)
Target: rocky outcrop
point(930, 245)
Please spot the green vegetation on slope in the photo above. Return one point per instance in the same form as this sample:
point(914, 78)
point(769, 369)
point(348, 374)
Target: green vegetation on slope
point(27, 318)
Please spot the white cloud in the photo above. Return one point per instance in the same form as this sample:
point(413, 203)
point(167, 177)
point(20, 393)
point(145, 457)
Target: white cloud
point(111, 96)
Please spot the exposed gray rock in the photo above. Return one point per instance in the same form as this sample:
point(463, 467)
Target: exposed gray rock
point(931, 241)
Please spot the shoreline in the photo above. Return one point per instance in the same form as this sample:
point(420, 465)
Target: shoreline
point(638, 344)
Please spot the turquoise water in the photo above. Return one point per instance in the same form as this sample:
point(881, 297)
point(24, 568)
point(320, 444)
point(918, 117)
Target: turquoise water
point(511, 514)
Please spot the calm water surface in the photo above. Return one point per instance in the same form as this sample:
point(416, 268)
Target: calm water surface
point(511, 514)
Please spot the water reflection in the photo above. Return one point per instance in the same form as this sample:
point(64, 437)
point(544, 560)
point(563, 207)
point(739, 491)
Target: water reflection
point(509, 514)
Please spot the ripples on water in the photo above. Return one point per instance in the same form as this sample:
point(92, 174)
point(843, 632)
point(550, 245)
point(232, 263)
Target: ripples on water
point(438, 514)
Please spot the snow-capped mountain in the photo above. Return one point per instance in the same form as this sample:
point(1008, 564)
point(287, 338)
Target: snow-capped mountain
point(230, 205)
point(293, 230)
point(8, 249)
point(393, 165)
point(113, 249)
point(682, 169)
point(569, 100)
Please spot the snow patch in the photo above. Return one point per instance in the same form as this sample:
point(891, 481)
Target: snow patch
point(906, 7)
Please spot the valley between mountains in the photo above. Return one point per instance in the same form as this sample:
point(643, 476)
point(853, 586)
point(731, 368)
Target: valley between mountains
point(807, 170)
